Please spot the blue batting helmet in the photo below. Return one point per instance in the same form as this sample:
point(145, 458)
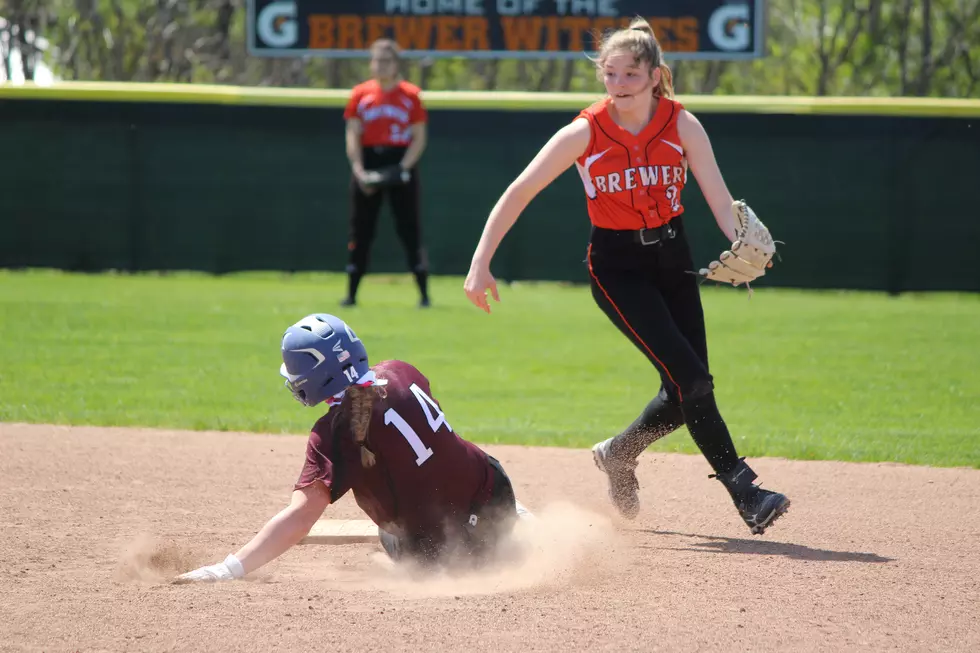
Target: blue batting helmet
point(321, 357)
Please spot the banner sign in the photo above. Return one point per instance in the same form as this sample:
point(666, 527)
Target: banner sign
point(534, 29)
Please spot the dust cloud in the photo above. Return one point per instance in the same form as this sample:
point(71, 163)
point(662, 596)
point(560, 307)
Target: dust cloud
point(561, 544)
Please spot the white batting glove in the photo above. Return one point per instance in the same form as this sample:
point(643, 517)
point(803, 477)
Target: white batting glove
point(229, 569)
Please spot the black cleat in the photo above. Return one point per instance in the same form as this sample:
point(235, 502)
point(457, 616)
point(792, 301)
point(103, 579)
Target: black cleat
point(348, 301)
point(759, 508)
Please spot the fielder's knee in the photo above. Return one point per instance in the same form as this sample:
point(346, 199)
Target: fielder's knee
point(419, 262)
point(356, 268)
point(698, 389)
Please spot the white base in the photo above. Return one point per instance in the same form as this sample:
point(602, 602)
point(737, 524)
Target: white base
point(342, 531)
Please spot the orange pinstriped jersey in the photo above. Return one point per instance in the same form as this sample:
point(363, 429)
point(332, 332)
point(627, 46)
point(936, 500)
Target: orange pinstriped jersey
point(386, 115)
point(633, 181)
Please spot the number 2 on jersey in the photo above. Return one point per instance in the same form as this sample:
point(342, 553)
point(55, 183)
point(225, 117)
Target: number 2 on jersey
point(433, 415)
point(674, 197)
point(401, 134)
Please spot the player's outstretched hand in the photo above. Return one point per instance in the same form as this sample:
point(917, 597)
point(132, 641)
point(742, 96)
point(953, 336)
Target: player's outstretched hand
point(230, 569)
point(477, 283)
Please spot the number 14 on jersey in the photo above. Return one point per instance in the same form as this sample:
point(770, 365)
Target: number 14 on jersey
point(433, 416)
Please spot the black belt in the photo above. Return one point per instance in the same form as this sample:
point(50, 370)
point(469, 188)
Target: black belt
point(654, 235)
point(384, 149)
point(645, 236)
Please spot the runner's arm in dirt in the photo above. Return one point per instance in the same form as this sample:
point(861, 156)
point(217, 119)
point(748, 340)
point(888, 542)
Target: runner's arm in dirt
point(278, 535)
point(557, 155)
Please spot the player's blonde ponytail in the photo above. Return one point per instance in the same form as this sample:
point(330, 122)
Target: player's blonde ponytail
point(639, 40)
point(362, 399)
point(666, 86)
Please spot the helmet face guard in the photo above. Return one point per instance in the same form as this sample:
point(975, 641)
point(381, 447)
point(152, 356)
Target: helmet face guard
point(321, 357)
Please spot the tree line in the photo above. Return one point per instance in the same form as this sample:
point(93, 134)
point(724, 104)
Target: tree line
point(813, 47)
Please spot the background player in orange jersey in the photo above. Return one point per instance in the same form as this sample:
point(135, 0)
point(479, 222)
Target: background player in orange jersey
point(386, 135)
point(632, 150)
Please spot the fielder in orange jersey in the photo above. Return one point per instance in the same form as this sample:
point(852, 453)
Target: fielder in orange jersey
point(633, 150)
point(386, 136)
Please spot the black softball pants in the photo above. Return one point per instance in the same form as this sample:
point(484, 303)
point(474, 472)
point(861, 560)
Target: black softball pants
point(469, 543)
point(365, 209)
point(650, 293)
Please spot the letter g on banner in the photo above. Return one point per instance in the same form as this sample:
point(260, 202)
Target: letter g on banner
point(730, 27)
point(276, 25)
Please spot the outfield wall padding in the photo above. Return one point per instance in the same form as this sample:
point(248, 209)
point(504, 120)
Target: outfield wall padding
point(865, 201)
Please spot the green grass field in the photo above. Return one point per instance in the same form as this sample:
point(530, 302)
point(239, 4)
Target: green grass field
point(812, 375)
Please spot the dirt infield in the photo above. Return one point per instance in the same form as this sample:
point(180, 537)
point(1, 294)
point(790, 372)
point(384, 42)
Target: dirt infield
point(95, 521)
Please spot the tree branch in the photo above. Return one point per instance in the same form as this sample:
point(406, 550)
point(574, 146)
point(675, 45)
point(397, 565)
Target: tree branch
point(821, 51)
point(847, 10)
point(875, 33)
point(925, 72)
point(903, 46)
point(5, 50)
point(551, 68)
point(821, 26)
point(567, 70)
point(852, 38)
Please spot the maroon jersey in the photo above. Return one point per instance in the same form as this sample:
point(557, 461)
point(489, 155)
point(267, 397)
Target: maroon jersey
point(425, 473)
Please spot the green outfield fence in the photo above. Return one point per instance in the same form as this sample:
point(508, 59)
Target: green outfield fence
point(867, 193)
